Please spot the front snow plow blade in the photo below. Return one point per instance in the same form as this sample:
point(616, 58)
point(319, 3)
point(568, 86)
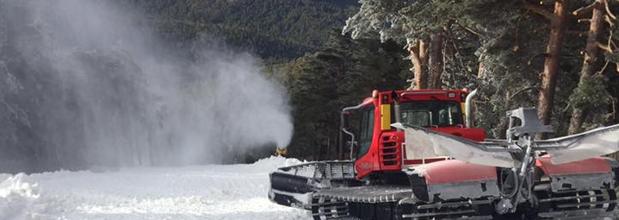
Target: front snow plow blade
point(289, 190)
point(294, 185)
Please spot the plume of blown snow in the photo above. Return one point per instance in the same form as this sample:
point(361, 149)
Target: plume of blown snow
point(128, 98)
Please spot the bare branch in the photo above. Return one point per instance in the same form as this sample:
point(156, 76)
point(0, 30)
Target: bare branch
point(567, 107)
point(608, 12)
point(605, 48)
point(468, 29)
point(610, 42)
point(581, 12)
point(603, 68)
point(520, 92)
point(609, 21)
point(539, 10)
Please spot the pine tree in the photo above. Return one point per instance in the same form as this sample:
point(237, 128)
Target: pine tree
point(557, 21)
point(412, 22)
point(485, 44)
point(341, 74)
point(591, 92)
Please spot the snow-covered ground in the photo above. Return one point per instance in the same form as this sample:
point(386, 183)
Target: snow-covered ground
point(197, 192)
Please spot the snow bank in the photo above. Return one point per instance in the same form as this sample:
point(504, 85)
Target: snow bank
point(274, 162)
point(16, 197)
point(15, 186)
point(197, 192)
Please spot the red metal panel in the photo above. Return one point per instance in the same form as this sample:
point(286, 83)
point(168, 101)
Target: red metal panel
point(455, 171)
point(370, 162)
point(593, 165)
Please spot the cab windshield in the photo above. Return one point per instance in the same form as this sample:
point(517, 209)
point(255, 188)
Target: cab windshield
point(431, 113)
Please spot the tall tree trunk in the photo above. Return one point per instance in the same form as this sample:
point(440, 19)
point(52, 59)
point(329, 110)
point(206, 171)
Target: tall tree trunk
point(590, 59)
point(551, 64)
point(436, 60)
point(419, 57)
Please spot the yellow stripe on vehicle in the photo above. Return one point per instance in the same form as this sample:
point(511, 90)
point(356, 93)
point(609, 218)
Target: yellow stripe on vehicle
point(385, 116)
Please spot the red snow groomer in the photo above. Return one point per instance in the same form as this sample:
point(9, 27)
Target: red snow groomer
point(415, 156)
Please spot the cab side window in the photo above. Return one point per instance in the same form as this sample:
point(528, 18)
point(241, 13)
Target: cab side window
point(366, 130)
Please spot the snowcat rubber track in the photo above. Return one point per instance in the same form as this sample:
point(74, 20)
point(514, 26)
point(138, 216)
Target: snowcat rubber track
point(461, 209)
point(293, 185)
point(592, 204)
point(361, 202)
point(381, 202)
point(324, 208)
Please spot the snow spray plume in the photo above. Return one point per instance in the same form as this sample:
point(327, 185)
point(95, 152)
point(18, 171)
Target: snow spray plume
point(92, 88)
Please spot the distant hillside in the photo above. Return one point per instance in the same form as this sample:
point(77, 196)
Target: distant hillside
point(272, 29)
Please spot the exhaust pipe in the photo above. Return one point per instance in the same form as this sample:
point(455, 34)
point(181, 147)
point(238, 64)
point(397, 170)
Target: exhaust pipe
point(396, 108)
point(469, 108)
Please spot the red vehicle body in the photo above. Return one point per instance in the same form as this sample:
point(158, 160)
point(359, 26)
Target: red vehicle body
point(438, 186)
point(385, 152)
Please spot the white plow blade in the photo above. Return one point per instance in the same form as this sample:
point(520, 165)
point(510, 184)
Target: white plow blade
point(593, 143)
point(423, 143)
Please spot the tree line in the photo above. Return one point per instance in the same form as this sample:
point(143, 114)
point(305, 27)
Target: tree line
point(558, 55)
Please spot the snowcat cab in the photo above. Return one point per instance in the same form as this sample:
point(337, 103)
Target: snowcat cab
point(376, 146)
point(413, 155)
